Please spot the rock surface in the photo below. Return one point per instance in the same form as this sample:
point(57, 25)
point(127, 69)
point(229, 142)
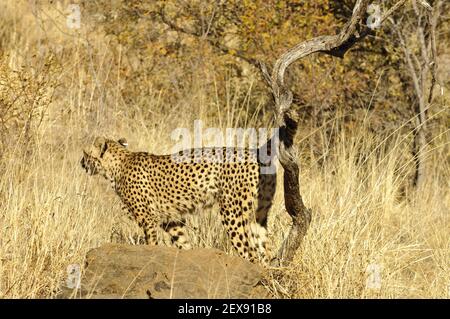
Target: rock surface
point(126, 271)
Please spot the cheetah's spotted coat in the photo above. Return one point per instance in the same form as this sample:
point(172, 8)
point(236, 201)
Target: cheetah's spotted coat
point(159, 190)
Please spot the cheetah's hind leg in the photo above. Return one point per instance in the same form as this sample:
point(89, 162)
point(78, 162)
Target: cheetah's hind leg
point(234, 217)
point(258, 240)
point(177, 232)
point(247, 236)
point(128, 213)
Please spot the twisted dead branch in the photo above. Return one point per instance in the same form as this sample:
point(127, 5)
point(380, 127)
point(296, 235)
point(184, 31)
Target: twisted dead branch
point(336, 45)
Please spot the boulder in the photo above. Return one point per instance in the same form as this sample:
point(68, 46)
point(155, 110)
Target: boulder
point(127, 271)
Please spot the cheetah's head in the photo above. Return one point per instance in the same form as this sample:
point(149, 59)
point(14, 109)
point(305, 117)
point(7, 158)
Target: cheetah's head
point(102, 156)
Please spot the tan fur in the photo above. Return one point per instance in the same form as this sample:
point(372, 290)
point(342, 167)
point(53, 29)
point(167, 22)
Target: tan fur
point(159, 190)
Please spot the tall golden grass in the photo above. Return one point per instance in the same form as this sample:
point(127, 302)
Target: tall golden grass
point(52, 213)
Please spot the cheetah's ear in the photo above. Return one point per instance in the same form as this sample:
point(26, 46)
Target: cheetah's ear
point(123, 142)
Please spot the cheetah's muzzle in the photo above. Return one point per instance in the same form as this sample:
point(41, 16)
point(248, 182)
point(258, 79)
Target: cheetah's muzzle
point(87, 166)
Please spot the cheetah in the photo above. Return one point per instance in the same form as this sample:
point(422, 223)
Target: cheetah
point(160, 190)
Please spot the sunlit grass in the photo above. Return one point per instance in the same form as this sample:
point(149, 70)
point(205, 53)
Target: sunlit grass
point(364, 210)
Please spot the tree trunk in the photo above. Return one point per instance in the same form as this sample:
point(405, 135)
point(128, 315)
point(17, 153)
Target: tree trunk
point(419, 149)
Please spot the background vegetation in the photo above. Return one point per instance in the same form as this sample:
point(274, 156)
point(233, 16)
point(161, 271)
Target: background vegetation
point(139, 69)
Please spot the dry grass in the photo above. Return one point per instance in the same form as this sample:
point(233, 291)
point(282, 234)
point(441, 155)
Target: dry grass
point(52, 213)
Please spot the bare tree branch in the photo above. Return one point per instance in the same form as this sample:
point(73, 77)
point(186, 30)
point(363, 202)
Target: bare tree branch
point(212, 41)
point(436, 12)
point(421, 67)
point(287, 121)
point(394, 8)
point(322, 43)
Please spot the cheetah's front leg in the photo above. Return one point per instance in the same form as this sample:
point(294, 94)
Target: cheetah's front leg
point(151, 236)
point(128, 212)
point(146, 219)
point(149, 224)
